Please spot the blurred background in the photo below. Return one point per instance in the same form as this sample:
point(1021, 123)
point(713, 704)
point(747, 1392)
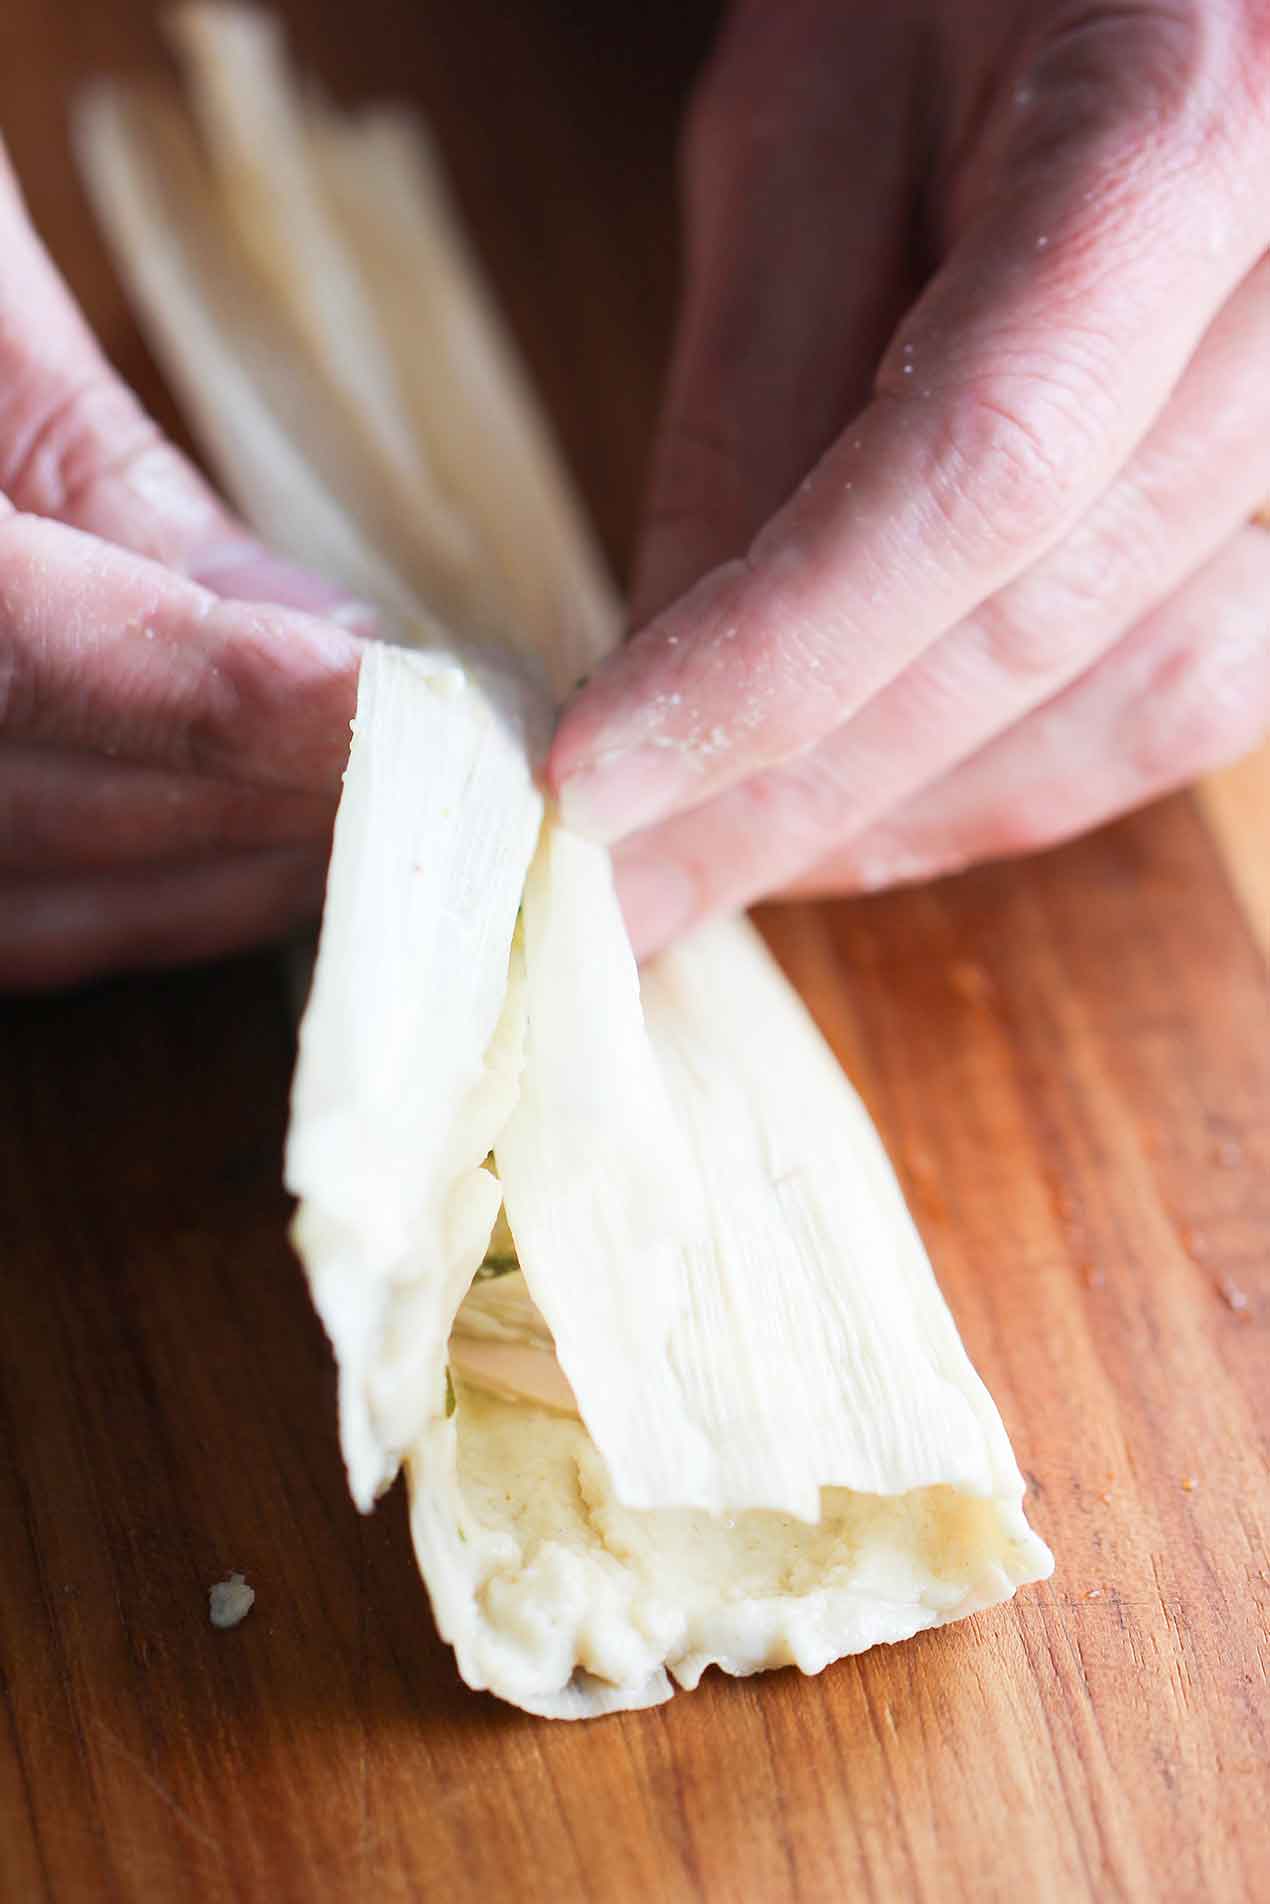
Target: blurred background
point(594, 93)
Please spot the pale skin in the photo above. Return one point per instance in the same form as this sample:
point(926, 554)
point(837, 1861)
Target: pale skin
point(947, 554)
point(170, 753)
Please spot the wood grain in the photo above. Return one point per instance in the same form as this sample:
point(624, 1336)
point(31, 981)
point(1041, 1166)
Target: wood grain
point(1236, 804)
point(1070, 1061)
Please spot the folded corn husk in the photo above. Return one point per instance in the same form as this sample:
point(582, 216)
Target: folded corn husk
point(699, 1401)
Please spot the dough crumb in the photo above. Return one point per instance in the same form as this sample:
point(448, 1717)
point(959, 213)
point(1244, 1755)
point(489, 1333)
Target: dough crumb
point(230, 1601)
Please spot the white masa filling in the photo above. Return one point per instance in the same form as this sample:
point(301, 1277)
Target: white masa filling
point(568, 1588)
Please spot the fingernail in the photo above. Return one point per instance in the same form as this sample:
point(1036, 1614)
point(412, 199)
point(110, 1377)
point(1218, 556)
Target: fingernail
point(622, 792)
point(252, 575)
point(358, 617)
point(875, 870)
point(324, 640)
point(659, 899)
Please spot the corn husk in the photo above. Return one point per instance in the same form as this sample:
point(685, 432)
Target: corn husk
point(711, 1407)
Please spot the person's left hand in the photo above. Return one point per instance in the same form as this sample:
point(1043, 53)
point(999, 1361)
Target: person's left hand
point(947, 553)
point(174, 698)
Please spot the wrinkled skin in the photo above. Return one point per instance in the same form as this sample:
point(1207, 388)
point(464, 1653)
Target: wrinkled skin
point(170, 755)
point(947, 551)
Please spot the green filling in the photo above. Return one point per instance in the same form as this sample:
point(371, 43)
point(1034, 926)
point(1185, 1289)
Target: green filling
point(495, 1264)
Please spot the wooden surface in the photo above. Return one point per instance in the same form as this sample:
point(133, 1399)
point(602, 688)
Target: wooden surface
point(1070, 1061)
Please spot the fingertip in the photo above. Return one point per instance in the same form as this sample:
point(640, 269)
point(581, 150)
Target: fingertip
point(244, 571)
point(660, 899)
point(295, 641)
point(339, 649)
point(622, 791)
point(359, 618)
point(572, 773)
point(580, 799)
point(655, 729)
point(279, 697)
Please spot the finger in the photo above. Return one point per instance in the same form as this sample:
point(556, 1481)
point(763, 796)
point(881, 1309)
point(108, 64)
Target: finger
point(1186, 693)
point(56, 933)
point(102, 651)
point(76, 445)
point(1005, 405)
point(1200, 474)
point(75, 813)
point(799, 189)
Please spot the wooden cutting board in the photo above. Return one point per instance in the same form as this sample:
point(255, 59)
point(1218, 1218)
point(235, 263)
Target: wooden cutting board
point(1070, 1061)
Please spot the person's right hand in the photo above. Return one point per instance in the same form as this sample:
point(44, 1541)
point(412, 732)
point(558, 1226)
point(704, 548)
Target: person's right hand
point(170, 748)
point(948, 552)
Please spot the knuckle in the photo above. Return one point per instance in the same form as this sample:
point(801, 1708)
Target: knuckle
point(54, 436)
point(1207, 703)
point(1139, 78)
point(1023, 641)
point(802, 804)
point(225, 718)
point(266, 698)
point(1013, 448)
point(1121, 549)
point(1125, 72)
point(1120, 51)
point(1056, 616)
point(146, 495)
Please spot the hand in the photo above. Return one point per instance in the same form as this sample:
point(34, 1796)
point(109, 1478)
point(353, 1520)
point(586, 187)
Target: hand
point(947, 553)
point(170, 755)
